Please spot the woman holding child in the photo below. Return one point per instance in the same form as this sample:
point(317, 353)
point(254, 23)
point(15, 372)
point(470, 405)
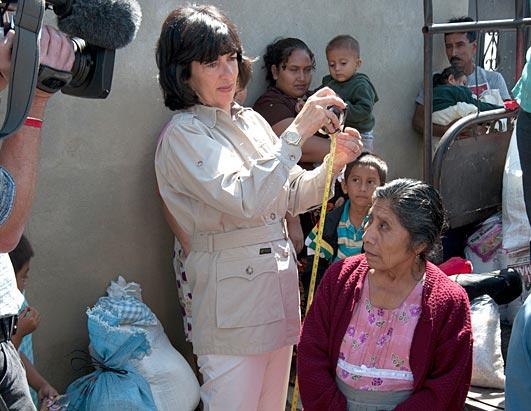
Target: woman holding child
point(387, 329)
point(228, 180)
point(289, 65)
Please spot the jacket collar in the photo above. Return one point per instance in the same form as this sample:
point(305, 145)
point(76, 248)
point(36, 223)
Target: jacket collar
point(211, 115)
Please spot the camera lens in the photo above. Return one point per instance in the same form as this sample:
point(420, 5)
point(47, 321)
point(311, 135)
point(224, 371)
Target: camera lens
point(340, 114)
point(82, 63)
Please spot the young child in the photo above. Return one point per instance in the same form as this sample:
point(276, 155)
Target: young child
point(343, 55)
point(343, 226)
point(28, 321)
point(452, 99)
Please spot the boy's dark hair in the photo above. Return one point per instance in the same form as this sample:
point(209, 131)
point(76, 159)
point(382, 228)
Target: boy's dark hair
point(367, 159)
point(22, 253)
point(278, 52)
point(471, 35)
point(194, 33)
point(442, 78)
point(343, 41)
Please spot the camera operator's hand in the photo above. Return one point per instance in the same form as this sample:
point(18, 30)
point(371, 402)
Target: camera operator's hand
point(19, 153)
point(5, 58)
point(56, 51)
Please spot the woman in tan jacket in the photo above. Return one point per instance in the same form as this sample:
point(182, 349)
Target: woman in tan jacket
point(228, 181)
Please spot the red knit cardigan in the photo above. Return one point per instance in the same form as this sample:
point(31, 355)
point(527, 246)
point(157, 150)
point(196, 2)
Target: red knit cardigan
point(441, 350)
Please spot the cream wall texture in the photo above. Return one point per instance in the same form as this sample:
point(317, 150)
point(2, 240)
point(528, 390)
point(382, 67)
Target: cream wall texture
point(97, 214)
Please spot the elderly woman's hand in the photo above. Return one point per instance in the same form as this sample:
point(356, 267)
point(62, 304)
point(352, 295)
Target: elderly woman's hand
point(314, 115)
point(348, 148)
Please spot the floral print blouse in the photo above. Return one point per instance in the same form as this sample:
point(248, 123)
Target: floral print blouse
point(374, 354)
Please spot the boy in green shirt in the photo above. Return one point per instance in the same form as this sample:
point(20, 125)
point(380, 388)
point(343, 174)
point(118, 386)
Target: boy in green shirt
point(343, 55)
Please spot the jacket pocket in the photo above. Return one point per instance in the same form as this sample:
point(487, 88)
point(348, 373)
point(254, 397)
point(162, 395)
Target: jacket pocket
point(248, 292)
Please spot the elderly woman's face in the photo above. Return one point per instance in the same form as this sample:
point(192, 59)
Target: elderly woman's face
point(215, 82)
point(295, 77)
point(386, 241)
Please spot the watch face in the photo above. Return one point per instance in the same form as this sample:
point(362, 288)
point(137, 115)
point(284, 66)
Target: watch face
point(293, 138)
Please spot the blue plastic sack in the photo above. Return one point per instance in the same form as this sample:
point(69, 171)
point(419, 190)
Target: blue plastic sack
point(115, 384)
point(128, 310)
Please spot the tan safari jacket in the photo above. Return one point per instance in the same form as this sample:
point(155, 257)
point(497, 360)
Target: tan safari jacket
point(229, 181)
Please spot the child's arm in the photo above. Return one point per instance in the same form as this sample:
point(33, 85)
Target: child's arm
point(28, 321)
point(295, 232)
point(37, 381)
point(360, 104)
point(483, 106)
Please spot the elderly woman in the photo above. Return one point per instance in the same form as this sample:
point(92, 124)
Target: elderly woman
point(228, 180)
point(387, 329)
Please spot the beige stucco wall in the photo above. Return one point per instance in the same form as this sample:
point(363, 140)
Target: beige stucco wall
point(96, 213)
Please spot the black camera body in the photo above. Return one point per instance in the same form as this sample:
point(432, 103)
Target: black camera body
point(96, 28)
point(93, 66)
point(92, 72)
point(91, 75)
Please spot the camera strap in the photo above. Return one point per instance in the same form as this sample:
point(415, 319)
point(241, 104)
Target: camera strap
point(24, 64)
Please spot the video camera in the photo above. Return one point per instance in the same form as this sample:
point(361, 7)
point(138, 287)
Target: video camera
point(96, 28)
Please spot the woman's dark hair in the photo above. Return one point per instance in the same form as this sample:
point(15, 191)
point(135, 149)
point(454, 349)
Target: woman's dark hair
point(194, 33)
point(442, 78)
point(22, 253)
point(278, 52)
point(367, 159)
point(419, 209)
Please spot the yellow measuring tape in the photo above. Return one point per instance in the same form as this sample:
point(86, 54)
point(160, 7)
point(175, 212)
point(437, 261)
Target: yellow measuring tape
point(318, 239)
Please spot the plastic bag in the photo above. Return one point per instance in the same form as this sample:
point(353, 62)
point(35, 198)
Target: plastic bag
point(115, 384)
point(59, 403)
point(121, 288)
point(516, 227)
point(493, 96)
point(173, 384)
point(487, 239)
point(487, 362)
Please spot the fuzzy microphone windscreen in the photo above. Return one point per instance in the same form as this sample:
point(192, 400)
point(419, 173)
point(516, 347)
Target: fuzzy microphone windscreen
point(110, 24)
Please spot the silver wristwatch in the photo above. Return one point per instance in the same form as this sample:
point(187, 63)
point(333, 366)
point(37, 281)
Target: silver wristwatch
point(292, 137)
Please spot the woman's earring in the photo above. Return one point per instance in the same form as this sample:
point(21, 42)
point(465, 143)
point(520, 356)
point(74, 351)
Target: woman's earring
point(418, 275)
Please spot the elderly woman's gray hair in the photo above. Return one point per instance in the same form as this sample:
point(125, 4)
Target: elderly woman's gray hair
point(419, 209)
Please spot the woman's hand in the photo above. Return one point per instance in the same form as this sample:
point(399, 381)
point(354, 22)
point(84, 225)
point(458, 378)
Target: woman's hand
point(314, 114)
point(348, 148)
point(299, 105)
